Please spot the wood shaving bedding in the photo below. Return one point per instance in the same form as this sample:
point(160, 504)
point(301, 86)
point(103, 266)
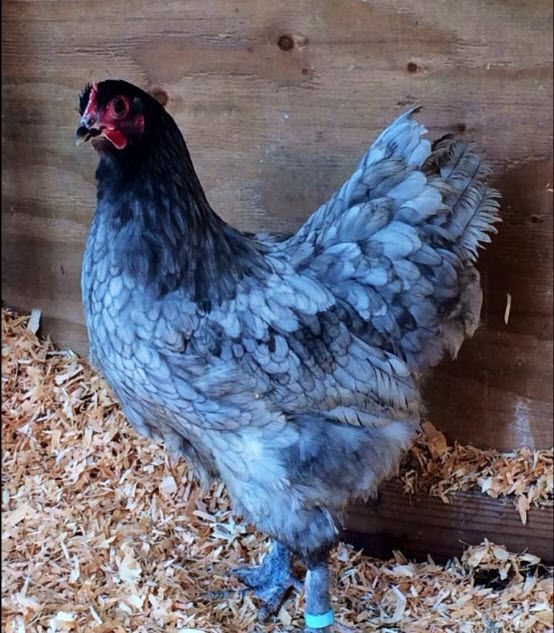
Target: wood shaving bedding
point(103, 532)
point(524, 475)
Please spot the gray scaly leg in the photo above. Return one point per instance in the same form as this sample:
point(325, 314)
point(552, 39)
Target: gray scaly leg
point(271, 581)
point(319, 614)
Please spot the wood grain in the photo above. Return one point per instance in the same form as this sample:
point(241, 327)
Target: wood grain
point(273, 132)
point(419, 524)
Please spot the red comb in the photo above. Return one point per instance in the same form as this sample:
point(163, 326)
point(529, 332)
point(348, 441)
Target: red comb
point(91, 107)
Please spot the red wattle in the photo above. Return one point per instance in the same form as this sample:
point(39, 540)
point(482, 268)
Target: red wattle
point(115, 137)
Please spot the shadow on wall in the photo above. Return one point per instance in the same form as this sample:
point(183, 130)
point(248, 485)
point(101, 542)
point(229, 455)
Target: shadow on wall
point(498, 393)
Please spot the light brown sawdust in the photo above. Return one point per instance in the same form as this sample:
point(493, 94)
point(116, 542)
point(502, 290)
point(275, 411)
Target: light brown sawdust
point(524, 475)
point(103, 533)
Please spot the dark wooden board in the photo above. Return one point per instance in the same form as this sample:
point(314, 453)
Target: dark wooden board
point(499, 390)
point(273, 132)
point(419, 525)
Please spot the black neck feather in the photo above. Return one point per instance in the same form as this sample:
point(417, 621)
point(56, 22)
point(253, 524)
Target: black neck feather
point(166, 234)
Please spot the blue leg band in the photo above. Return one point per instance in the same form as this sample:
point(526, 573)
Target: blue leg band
point(319, 621)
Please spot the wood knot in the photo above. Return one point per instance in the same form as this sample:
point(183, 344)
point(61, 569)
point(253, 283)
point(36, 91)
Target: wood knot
point(285, 42)
point(411, 67)
point(160, 95)
point(461, 127)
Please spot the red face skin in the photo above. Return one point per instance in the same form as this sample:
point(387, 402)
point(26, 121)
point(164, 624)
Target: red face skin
point(115, 121)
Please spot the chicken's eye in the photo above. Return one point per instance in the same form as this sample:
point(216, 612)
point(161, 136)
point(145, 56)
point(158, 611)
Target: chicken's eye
point(119, 106)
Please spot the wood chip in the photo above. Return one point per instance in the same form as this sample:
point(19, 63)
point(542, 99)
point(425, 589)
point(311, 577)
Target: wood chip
point(34, 322)
point(102, 532)
point(524, 475)
point(508, 308)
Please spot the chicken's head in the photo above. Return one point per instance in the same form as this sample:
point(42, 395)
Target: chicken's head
point(112, 113)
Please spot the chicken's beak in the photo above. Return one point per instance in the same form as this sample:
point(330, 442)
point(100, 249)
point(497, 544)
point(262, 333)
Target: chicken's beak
point(86, 130)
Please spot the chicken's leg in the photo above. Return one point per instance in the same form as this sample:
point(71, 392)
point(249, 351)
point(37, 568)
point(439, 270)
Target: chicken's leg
point(319, 615)
point(271, 581)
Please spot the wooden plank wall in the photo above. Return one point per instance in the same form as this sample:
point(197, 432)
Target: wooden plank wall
point(418, 524)
point(275, 124)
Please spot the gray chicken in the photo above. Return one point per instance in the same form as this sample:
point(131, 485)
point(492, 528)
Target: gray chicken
point(291, 369)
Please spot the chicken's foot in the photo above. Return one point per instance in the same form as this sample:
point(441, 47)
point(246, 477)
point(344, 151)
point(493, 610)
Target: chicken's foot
point(271, 581)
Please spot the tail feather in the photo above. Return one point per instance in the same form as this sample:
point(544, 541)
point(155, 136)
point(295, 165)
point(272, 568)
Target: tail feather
point(398, 241)
point(397, 152)
point(472, 203)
